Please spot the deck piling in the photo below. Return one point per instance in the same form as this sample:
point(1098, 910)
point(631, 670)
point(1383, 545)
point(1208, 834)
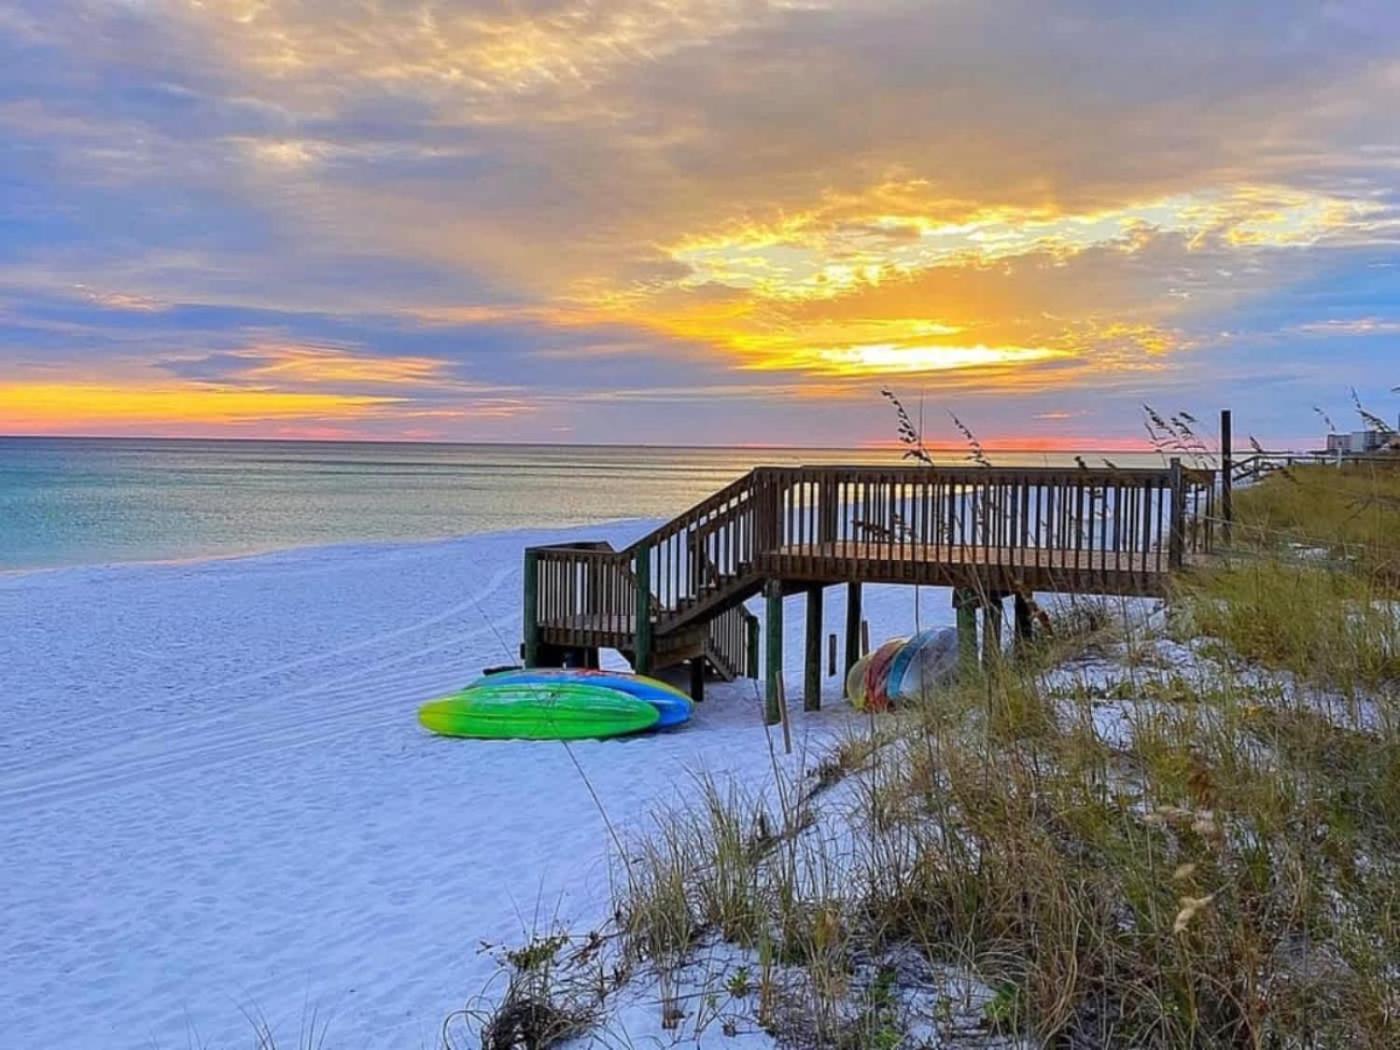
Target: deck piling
point(1025, 620)
point(853, 615)
point(697, 679)
point(773, 595)
point(965, 602)
point(992, 617)
point(812, 682)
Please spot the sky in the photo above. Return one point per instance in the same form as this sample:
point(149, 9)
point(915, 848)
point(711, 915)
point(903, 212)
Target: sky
point(697, 221)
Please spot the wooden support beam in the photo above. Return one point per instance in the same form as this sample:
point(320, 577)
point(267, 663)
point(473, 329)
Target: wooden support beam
point(992, 616)
point(1025, 621)
point(965, 603)
point(773, 669)
point(812, 680)
point(753, 654)
point(852, 625)
point(697, 679)
point(531, 652)
point(641, 570)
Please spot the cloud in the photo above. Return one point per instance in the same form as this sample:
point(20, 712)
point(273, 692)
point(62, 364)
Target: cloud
point(312, 366)
point(1353, 326)
point(460, 199)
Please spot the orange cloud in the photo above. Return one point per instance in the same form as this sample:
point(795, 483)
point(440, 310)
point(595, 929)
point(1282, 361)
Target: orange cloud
point(317, 365)
point(84, 407)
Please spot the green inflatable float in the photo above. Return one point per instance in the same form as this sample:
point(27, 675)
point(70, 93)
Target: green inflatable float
point(538, 711)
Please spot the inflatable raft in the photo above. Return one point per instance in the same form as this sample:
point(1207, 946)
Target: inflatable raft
point(550, 704)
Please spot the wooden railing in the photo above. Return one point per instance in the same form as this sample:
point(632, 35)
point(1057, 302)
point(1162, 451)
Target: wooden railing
point(1122, 518)
point(583, 589)
point(732, 641)
point(833, 523)
point(1262, 464)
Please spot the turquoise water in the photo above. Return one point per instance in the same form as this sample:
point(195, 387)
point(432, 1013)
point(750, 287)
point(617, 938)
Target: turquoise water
point(86, 501)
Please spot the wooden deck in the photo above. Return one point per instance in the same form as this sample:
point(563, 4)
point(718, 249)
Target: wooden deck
point(988, 533)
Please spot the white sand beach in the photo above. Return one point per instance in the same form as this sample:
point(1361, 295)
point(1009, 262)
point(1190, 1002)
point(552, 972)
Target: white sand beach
point(216, 802)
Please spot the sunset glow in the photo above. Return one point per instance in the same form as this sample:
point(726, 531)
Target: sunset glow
point(487, 222)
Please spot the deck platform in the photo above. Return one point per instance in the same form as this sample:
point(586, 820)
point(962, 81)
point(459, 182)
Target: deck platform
point(987, 533)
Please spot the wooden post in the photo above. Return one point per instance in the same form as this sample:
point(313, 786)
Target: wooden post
point(1227, 478)
point(773, 669)
point(992, 615)
point(532, 608)
point(697, 679)
point(641, 659)
point(864, 637)
point(1025, 623)
point(753, 649)
point(1176, 548)
point(831, 655)
point(965, 602)
point(852, 625)
point(783, 717)
point(827, 509)
point(812, 682)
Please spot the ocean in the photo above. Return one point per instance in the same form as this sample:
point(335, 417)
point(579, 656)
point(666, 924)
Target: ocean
point(81, 501)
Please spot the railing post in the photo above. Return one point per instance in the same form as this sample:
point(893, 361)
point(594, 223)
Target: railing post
point(753, 667)
point(1227, 476)
point(773, 669)
point(532, 608)
point(769, 522)
point(1176, 547)
point(641, 570)
point(828, 508)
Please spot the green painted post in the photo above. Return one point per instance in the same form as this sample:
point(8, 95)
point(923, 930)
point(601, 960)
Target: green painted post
point(965, 602)
point(753, 668)
point(532, 608)
point(812, 682)
point(853, 615)
point(773, 669)
point(641, 569)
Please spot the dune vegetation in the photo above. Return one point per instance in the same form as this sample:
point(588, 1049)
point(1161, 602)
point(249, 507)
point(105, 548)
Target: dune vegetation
point(1171, 825)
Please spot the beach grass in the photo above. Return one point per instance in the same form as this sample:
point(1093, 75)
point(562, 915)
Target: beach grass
point(1171, 830)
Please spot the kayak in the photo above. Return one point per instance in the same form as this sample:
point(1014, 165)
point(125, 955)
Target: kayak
point(673, 705)
point(928, 661)
point(538, 711)
point(877, 675)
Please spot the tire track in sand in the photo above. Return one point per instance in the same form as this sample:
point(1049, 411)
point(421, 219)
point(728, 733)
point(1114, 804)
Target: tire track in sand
point(232, 737)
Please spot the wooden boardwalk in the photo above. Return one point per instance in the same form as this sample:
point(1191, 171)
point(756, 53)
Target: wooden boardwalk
point(987, 533)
